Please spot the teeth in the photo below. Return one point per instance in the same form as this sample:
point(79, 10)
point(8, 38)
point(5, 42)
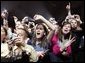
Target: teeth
point(38, 33)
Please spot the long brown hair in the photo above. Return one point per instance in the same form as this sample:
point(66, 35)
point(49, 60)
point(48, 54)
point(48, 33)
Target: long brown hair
point(43, 40)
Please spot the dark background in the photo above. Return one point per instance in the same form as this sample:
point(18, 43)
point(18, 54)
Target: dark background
point(56, 9)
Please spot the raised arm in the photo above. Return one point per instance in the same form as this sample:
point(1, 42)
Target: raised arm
point(68, 7)
point(68, 43)
point(40, 17)
point(15, 19)
point(49, 24)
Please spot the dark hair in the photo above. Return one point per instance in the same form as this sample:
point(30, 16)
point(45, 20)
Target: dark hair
point(45, 29)
point(64, 23)
point(43, 40)
point(61, 34)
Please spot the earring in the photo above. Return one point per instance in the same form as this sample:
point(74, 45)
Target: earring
point(44, 33)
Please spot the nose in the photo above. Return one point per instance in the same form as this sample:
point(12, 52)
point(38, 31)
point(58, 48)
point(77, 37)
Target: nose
point(38, 30)
point(73, 23)
point(66, 27)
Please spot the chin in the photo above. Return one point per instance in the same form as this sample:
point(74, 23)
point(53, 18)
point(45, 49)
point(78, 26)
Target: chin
point(73, 27)
point(38, 37)
point(66, 32)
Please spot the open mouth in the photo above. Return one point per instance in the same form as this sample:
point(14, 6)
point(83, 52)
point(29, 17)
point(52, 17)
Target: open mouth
point(65, 30)
point(38, 33)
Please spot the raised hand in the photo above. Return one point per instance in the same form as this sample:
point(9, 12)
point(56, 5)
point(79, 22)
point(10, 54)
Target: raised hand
point(19, 41)
point(77, 17)
point(25, 19)
point(40, 17)
point(15, 19)
point(68, 6)
point(69, 42)
point(37, 17)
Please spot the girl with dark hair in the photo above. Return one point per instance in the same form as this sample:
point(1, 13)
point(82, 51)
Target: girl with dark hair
point(41, 37)
point(76, 24)
point(61, 44)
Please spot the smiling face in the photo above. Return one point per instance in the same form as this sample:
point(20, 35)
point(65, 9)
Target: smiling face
point(66, 29)
point(39, 31)
point(73, 23)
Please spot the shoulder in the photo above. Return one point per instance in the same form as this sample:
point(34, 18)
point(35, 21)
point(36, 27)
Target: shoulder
point(29, 47)
point(79, 28)
point(29, 42)
point(4, 44)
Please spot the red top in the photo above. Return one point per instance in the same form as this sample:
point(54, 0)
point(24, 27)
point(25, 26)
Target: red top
point(56, 48)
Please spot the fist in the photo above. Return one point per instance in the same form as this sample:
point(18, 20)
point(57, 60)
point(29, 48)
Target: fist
point(37, 17)
point(68, 7)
